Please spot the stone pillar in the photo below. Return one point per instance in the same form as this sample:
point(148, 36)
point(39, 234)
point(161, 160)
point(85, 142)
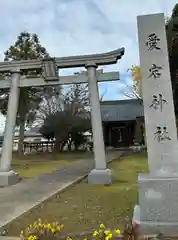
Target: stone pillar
point(7, 176)
point(158, 212)
point(99, 175)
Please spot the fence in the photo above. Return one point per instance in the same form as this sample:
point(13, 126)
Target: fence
point(46, 146)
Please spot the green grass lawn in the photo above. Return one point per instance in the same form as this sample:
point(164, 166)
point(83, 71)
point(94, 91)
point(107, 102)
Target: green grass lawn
point(83, 207)
point(38, 164)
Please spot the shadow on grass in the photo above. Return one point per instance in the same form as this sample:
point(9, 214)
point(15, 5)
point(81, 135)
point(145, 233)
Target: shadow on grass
point(119, 181)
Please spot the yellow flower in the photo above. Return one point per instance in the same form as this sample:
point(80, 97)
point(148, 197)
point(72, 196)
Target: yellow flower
point(62, 226)
point(102, 226)
point(45, 225)
point(58, 228)
point(118, 231)
point(53, 230)
point(32, 237)
point(69, 238)
point(95, 234)
point(49, 226)
point(108, 237)
point(107, 232)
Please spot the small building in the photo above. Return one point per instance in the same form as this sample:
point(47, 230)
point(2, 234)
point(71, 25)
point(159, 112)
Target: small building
point(120, 119)
point(31, 135)
point(33, 140)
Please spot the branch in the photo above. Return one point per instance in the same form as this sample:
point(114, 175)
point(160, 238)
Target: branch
point(132, 94)
point(103, 94)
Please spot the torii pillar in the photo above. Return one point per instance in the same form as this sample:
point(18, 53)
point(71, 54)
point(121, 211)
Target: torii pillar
point(101, 174)
point(7, 175)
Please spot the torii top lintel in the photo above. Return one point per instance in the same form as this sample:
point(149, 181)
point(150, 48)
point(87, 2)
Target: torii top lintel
point(66, 62)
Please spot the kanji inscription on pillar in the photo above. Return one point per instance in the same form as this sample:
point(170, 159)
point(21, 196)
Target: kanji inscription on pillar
point(157, 94)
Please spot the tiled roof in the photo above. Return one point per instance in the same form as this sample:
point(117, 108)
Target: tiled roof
point(121, 110)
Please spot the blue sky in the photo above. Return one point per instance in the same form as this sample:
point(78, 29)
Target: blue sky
point(72, 27)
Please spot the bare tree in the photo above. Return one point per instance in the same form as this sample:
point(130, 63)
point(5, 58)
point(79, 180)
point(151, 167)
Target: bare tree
point(65, 112)
point(134, 91)
point(130, 92)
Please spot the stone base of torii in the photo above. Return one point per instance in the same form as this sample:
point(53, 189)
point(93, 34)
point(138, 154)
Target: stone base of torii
point(101, 174)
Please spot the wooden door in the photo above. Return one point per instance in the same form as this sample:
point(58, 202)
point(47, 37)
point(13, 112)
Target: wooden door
point(116, 136)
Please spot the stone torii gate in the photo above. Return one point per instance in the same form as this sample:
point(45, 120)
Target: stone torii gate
point(101, 174)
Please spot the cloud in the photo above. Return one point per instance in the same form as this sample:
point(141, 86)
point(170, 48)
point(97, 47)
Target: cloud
point(72, 27)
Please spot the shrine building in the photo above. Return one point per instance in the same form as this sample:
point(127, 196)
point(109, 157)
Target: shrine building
point(120, 120)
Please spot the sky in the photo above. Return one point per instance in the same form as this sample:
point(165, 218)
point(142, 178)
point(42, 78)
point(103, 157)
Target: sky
point(74, 27)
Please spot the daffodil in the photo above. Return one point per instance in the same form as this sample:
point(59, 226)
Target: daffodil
point(53, 230)
point(32, 237)
point(62, 226)
point(102, 226)
point(107, 232)
point(108, 237)
point(69, 238)
point(117, 231)
point(58, 228)
point(96, 233)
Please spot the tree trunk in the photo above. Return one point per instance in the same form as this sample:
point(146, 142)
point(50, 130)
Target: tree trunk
point(59, 144)
point(69, 144)
point(21, 130)
point(62, 145)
